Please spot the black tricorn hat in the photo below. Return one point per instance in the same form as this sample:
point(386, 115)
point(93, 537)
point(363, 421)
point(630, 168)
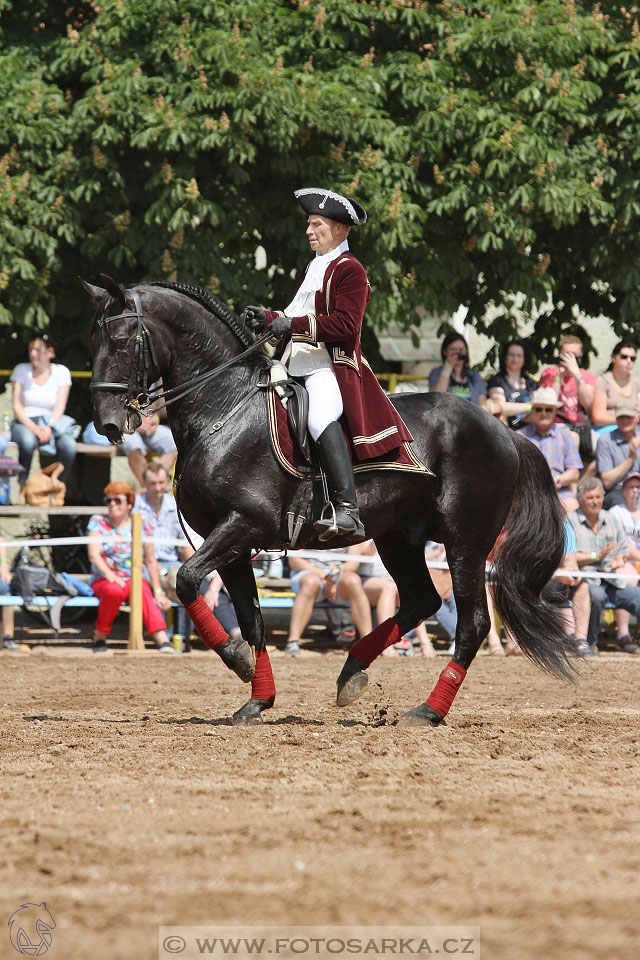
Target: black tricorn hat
point(326, 203)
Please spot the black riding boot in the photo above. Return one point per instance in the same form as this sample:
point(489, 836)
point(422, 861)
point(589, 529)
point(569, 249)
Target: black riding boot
point(334, 455)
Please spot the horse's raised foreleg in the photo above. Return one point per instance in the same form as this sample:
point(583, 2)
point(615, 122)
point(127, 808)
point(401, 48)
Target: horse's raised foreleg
point(239, 579)
point(419, 599)
point(467, 573)
point(224, 547)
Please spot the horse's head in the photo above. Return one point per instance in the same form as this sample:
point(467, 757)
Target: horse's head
point(125, 359)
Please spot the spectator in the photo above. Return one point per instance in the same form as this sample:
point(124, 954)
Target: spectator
point(110, 556)
point(601, 546)
point(574, 386)
point(314, 580)
point(629, 513)
point(447, 614)
point(512, 386)
point(7, 612)
point(556, 444)
point(151, 436)
point(571, 594)
point(618, 454)
point(159, 508)
point(616, 387)
point(40, 394)
point(493, 641)
point(455, 375)
point(629, 517)
point(382, 594)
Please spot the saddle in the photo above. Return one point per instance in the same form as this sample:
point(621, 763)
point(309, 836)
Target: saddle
point(298, 416)
point(295, 400)
point(287, 415)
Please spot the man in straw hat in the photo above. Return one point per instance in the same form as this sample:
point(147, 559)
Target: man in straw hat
point(556, 443)
point(321, 327)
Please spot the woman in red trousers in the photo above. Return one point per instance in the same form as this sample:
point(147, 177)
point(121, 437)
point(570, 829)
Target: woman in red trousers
point(110, 556)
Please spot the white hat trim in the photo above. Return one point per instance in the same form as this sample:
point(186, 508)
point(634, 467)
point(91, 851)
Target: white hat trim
point(334, 196)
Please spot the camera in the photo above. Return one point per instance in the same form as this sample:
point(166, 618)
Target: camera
point(556, 360)
point(463, 357)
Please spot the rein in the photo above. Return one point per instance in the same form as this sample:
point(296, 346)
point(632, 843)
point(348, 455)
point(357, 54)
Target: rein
point(177, 393)
point(138, 400)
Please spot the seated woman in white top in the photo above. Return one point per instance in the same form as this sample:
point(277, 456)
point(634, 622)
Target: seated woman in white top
point(40, 394)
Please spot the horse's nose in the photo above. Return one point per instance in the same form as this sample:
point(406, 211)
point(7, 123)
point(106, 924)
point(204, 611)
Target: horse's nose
point(111, 431)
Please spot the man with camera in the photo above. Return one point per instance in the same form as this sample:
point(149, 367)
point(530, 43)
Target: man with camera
point(574, 387)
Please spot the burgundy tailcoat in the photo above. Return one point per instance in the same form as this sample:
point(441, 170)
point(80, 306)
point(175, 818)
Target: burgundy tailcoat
point(373, 422)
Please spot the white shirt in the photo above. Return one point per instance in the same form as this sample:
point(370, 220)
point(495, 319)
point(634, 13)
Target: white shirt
point(39, 399)
point(630, 523)
point(303, 359)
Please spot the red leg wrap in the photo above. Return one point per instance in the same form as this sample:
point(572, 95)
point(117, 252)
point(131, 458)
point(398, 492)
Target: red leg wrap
point(368, 648)
point(449, 681)
point(206, 624)
point(263, 685)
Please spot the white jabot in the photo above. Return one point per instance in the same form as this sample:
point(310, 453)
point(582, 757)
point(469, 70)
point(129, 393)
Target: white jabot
point(303, 359)
point(312, 281)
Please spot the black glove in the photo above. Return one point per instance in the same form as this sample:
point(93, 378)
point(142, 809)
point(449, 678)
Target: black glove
point(254, 318)
point(279, 328)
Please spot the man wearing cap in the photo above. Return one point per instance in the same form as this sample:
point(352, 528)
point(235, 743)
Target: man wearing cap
point(618, 454)
point(556, 444)
point(322, 326)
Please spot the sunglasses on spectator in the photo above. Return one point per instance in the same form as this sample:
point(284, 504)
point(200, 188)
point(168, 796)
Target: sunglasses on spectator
point(117, 498)
point(627, 356)
point(544, 409)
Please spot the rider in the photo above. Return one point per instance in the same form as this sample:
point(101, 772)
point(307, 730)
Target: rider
point(322, 325)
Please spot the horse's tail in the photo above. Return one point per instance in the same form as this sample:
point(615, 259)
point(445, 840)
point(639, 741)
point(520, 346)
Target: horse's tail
point(525, 557)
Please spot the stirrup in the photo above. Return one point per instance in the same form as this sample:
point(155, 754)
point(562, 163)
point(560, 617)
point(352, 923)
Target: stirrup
point(327, 528)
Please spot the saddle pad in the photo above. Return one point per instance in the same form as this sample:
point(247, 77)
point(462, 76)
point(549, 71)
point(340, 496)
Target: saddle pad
point(286, 451)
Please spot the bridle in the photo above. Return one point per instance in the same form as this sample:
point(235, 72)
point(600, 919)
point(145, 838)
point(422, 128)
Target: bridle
point(138, 397)
point(137, 387)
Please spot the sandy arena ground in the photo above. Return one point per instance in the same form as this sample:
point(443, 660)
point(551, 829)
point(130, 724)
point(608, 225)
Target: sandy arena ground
point(129, 802)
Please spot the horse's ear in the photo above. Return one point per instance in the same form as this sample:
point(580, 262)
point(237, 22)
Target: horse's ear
point(96, 293)
point(114, 289)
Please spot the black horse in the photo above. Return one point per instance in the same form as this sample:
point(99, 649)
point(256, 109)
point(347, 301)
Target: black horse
point(232, 491)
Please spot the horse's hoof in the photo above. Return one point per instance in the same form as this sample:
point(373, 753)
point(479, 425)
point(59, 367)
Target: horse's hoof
point(422, 716)
point(251, 713)
point(239, 656)
point(351, 682)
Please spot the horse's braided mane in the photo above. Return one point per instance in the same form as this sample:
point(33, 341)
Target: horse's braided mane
point(213, 305)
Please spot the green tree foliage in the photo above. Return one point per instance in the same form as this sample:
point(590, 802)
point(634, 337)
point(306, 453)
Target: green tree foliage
point(495, 145)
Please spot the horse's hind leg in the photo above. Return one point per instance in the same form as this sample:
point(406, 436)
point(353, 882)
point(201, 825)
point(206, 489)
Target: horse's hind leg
point(467, 573)
point(419, 599)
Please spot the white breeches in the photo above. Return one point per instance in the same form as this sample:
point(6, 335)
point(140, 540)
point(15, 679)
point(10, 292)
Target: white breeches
point(325, 400)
